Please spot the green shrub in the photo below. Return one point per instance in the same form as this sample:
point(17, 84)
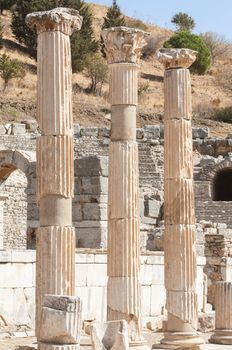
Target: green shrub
point(195, 42)
point(97, 71)
point(10, 69)
point(223, 115)
point(114, 17)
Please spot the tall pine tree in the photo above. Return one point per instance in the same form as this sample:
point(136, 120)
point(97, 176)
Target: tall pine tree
point(114, 17)
point(82, 42)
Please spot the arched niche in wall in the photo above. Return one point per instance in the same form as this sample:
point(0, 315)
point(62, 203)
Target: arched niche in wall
point(222, 185)
point(17, 177)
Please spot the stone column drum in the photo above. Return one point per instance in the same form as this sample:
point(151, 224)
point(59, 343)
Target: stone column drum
point(123, 49)
point(223, 314)
point(55, 261)
point(179, 213)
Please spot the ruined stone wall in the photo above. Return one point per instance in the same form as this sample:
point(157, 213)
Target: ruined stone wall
point(14, 210)
point(91, 181)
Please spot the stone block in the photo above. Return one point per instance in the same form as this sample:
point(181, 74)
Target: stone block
point(77, 212)
point(89, 131)
point(111, 335)
point(156, 259)
point(94, 185)
point(18, 128)
point(146, 275)
point(152, 208)
point(60, 320)
point(97, 275)
point(93, 302)
point(16, 275)
point(151, 132)
point(91, 237)
point(158, 297)
point(157, 275)
point(94, 211)
point(92, 166)
point(84, 258)
point(100, 258)
point(81, 273)
point(145, 300)
point(200, 133)
point(20, 307)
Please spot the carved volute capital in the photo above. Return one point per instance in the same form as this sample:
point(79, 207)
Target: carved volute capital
point(61, 19)
point(123, 45)
point(176, 58)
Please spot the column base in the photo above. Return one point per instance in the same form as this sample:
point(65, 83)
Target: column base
point(139, 345)
point(180, 340)
point(222, 336)
point(46, 346)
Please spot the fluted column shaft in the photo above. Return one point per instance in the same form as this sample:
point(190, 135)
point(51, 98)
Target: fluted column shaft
point(179, 215)
point(180, 256)
point(223, 314)
point(123, 259)
point(55, 268)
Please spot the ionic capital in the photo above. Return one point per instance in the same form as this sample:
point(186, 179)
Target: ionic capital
point(177, 58)
point(61, 19)
point(123, 45)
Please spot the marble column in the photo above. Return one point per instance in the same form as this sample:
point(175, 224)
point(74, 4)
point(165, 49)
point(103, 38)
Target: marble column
point(55, 246)
point(179, 213)
point(223, 314)
point(123, 49)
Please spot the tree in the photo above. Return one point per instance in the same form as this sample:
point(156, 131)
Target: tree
point(10, 68)
point(218, 46)
point(6, 4)
point(1, 35)
point(97, 71)
point(82, 42)
point(191, 41)
point(114, 17)
point(183, 22)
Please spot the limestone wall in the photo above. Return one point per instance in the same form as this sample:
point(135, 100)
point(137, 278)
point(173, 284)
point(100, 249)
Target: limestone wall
point(91, 183)
point(17, 285)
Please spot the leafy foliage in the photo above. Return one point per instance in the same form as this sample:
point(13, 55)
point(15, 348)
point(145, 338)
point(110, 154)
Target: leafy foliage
point(97, 71)
point(82, 42)
point(191, 41)
point(224, 115)
point(10, 68)
point(183, 22)
point(6, 4)
point(114, 17)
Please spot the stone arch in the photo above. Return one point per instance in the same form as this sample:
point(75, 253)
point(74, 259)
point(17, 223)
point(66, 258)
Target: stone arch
point(17, 180)
point(220, 177)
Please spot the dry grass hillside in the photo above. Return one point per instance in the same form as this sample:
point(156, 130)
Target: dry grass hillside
point(18, 102)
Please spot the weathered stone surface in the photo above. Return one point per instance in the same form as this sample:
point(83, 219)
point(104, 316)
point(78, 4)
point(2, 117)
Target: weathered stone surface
point(65, 20)
point(55, 269)
point(60, 320)
point(121, 76)
point(59, 169)
point(200, 133)
point(18, 128)
point(123, 44)
point(177, 58)
point(110, 336)
point(179, 214)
